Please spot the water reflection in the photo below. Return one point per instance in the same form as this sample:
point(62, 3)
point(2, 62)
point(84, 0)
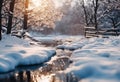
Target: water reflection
point(28, 76)
point(12, 79)
point(22, 76)
point(49, 72)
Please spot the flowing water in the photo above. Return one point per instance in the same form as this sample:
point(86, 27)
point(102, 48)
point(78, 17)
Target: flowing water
point(52, 71)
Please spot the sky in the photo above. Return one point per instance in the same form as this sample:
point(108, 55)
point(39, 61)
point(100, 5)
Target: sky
point(36, 3)
point(58, 3)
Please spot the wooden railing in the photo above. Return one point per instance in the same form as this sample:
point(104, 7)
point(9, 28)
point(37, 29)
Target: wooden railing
point(92, 32)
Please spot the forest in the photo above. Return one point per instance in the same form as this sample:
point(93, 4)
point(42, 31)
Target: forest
point(59, 40)
point(71, 18)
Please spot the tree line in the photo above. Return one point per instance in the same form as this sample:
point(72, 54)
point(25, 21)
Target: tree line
point(102, 14)
point(15, 14)
point(9, 11)
point(22, 14)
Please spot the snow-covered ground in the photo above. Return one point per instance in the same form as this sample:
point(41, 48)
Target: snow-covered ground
point(96, 60)
point(15, 51)
point(74, 44)
point(54, 37)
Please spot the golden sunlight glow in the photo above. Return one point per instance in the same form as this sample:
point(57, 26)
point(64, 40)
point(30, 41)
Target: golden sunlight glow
point(43, 13)
point(35, 4)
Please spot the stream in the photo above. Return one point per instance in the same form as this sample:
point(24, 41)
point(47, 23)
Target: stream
point(51, 71)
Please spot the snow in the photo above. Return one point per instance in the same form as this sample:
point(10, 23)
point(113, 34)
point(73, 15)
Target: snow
point(75, 43)
point(15, 52)
point(8, 41)
point(97, 61)
point(54, 37)
point(94, 59)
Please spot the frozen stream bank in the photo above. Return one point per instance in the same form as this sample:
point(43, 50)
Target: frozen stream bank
point(50, 71)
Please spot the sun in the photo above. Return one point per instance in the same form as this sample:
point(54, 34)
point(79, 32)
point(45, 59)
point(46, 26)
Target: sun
point(35, 3)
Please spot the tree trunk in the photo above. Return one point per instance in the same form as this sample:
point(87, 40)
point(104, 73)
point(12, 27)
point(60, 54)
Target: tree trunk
point(25, 15)
point(85, 12)
point(114, 26)
point(1, 1)
point(95, 2)
point(11, 10)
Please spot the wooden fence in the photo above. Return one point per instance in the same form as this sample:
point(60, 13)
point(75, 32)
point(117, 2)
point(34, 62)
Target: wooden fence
point(92, 32)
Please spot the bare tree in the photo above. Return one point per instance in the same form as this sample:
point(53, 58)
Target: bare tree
point(85, 12)
point(114, 25)
point(90, 12)
point(11, 10)
point(25, 15)
point(1, 1)
point(96, 5)
point(115, 22)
